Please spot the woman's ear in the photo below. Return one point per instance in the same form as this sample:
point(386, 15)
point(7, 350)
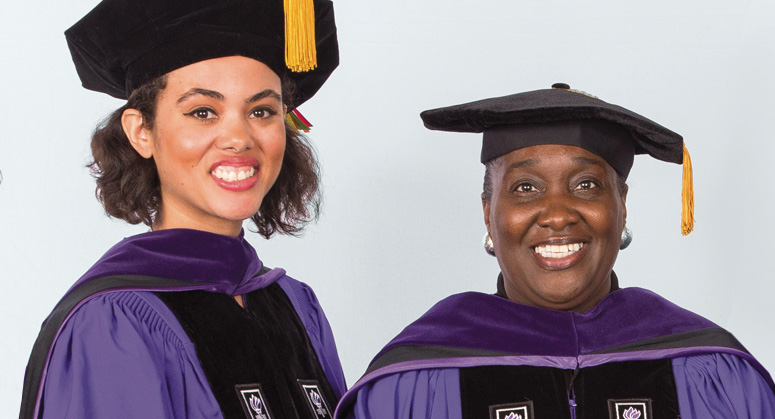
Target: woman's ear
point(486, 210)
point(138, 135)
point(624, 204)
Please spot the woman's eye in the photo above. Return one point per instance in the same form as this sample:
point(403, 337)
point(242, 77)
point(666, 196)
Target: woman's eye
point(202, 113)
point(586, 185)
point(525, 187)
point(262, 112)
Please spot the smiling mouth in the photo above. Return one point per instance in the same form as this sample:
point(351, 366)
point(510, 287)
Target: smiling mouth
point(233, 174)
point(558, 251)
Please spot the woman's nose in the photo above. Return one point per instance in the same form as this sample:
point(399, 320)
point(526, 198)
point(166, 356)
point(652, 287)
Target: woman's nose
point(235, 135)
point(557, 214)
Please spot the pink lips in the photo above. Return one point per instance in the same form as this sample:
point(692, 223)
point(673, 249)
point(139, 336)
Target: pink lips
point(237, 185)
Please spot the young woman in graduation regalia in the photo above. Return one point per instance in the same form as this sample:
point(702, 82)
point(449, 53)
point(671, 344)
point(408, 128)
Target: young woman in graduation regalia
point(560, 339)
point(185, 321)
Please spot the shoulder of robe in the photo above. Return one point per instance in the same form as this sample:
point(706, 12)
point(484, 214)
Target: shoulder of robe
point(306, 304)
point(141, 310)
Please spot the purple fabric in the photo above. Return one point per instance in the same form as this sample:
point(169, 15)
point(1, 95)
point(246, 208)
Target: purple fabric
point(599, 359)
point(721, 386)
point(715, 386)
point(431, 394)
point(562, 362)
point(529, 335)
point(212, 262)
point(639, 314)
point(123, 353)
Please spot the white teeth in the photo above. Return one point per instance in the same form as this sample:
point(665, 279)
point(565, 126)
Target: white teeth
point(233, 174)
point(558, 251)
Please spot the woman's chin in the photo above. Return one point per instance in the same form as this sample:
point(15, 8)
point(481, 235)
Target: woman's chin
point(237, 211)
point(571, 299)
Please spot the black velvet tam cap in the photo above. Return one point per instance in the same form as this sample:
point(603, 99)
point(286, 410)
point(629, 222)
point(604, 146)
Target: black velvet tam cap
point(564, 116)
point(559, 116)
point(122, 44)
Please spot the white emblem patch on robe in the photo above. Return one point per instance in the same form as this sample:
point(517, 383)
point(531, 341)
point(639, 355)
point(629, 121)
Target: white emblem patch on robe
point(315, 400)
point(629, 409)
point(512, 411)
point(253, 401)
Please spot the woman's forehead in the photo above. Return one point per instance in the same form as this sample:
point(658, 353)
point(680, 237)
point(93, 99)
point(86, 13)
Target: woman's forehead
point(551, 155)
point(222, 77)
point(232, 69)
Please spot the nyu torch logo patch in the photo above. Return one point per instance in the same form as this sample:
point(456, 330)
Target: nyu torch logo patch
point(512, 411)
point(629, 409)
point(315, 400)
point(253, 401)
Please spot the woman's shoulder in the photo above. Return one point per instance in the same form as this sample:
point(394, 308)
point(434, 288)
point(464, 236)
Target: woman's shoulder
point(125, 314)
point(311, 314)
point(119, 348)
point(647, 305)
point(724, 385)
point(301, 295)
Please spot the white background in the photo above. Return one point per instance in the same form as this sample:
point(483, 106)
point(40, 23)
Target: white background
point(402, 222)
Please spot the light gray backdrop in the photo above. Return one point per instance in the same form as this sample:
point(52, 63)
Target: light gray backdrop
point(402, 222)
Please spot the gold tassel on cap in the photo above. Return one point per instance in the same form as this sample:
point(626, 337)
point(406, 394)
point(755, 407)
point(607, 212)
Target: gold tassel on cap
point(300, 49)
point(687, 195)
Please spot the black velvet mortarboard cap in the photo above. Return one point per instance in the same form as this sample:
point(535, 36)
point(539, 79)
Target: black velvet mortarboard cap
point(559, 116)
point(122, 44)
point(564, 116)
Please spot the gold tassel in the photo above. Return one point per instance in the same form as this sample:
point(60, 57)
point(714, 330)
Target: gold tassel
point(687, 195)
point(300, 49)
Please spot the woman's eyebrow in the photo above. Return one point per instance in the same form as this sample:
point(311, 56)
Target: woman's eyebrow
point(264, 94)
point(199, 91)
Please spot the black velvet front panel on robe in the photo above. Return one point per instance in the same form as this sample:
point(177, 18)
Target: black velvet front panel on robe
point(595, 389)
point(482, 387)
point(265, 343)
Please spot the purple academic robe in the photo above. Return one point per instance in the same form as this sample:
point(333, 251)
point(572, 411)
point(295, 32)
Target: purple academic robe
point(418, 374)
point(122, 353)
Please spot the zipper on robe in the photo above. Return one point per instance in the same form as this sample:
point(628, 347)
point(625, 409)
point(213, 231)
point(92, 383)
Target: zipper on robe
point(572, 393)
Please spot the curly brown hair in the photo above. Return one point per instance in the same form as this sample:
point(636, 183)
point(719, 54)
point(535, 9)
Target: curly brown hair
point(128, 184)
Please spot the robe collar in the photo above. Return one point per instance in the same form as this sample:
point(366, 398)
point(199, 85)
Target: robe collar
point(208, 261)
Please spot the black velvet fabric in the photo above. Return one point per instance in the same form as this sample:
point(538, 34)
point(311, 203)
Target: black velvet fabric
point(122, 44)
point(265, 343)
point(547, 108)
point(651, 380)
point(547, 388)
point(482, 387)
point(612, 142)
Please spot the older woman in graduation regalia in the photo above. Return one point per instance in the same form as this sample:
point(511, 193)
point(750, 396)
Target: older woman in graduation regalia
point(185, 321)
point(560, 338)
